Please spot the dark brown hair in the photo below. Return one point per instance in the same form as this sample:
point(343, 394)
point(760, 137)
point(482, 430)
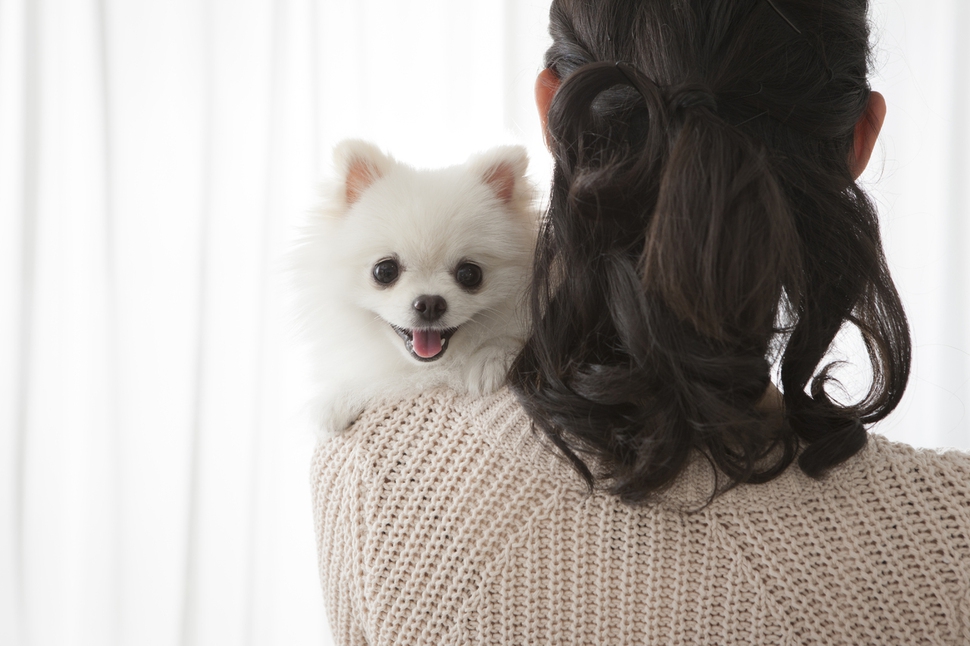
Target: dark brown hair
point(705, 229)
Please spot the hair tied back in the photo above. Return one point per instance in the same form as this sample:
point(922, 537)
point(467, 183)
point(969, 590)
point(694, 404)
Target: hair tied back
point(643, 83)
point(678, 98)
point(703, 256)
point(646, 86)
point(690, 96)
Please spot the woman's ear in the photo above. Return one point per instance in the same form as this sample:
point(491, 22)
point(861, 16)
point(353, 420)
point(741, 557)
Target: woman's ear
point(866, 133)
point(546, 85)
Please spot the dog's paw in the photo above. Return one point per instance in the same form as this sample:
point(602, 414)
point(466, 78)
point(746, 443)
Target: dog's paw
point(486, 371)
point(337, 417)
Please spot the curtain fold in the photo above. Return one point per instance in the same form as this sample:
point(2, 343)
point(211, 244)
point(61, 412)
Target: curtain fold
point(155, 159)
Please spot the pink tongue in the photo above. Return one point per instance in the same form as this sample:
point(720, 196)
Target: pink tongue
point(426, 343)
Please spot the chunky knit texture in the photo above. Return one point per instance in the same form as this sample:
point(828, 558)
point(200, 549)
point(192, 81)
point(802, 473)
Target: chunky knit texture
point(444, 520)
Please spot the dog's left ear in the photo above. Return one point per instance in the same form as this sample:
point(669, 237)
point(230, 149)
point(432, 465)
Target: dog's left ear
point(503, 170)
point(359, 164)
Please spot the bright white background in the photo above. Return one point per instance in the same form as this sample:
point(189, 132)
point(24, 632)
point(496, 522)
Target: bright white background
point(154, 158)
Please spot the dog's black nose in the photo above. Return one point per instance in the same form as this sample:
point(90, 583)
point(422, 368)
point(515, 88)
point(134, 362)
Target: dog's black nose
point(430, 308)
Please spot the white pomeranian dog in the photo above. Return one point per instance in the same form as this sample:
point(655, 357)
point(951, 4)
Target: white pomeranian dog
point(409, 279)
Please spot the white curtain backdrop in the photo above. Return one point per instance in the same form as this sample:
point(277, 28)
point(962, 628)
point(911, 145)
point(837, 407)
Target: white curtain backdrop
point(154, 158)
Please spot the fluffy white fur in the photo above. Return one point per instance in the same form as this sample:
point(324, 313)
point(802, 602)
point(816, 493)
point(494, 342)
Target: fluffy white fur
point(430, 222)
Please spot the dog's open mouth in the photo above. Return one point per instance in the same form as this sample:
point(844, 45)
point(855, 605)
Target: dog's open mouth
point(425, 344)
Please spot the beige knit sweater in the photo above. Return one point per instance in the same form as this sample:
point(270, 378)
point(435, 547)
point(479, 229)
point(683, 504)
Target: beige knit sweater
point(443, 520)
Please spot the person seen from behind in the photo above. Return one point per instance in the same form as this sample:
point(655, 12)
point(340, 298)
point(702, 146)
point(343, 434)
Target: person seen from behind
point(672, 462)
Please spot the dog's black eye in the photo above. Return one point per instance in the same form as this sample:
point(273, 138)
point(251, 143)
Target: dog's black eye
point(386, 272)
point(469, 275)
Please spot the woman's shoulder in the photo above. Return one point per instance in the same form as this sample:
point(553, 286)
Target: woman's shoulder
point(890, 474)
point(895, 455)
point(892, 523)
point(427, 492)
point(448, 506)
point(931, 473)
point(888, 487)
point(441, 429)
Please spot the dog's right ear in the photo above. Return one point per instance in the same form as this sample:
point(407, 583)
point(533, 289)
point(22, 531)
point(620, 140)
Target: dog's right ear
point(503, 170)
point(359, 164)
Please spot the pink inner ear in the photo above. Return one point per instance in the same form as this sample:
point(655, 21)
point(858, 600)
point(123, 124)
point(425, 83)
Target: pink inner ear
point(360, 176)
point(501, 178)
